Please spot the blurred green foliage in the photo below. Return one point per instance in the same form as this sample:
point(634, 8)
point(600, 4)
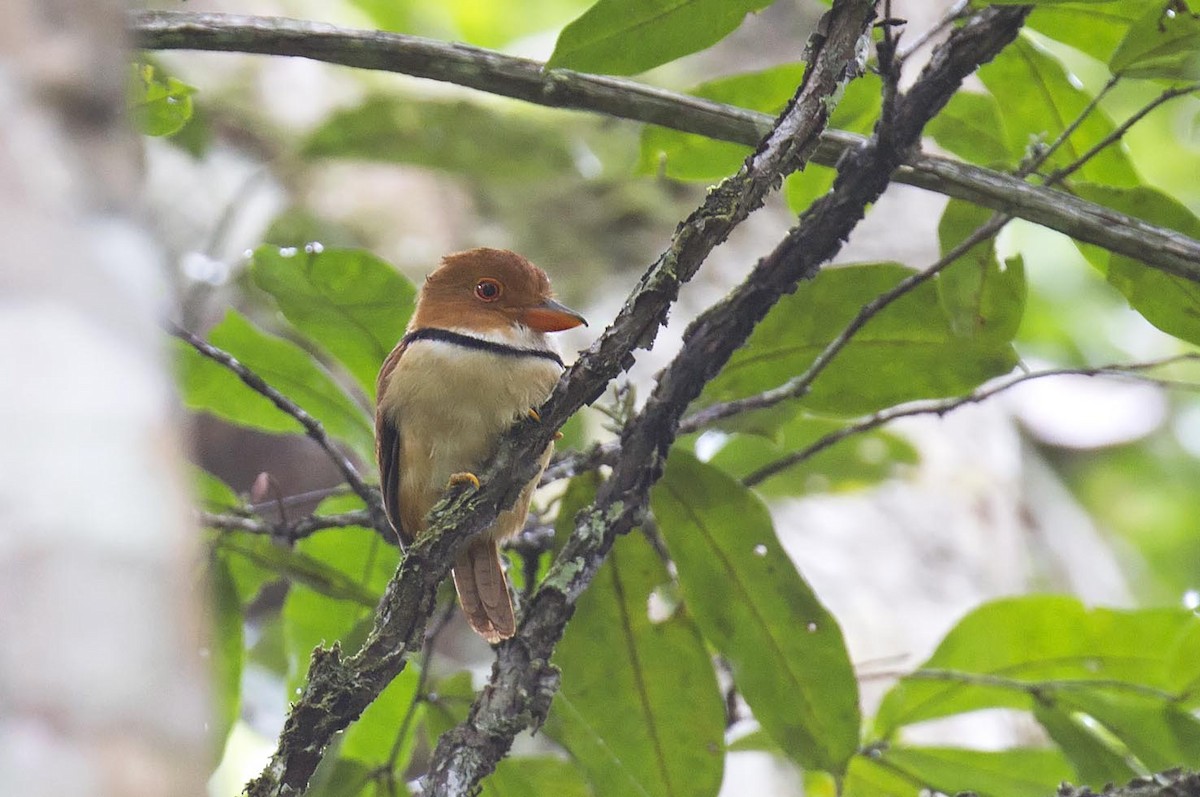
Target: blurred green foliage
point(641, 708)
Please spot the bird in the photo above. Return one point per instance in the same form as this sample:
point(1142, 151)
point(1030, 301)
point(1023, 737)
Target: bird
point(474, 359)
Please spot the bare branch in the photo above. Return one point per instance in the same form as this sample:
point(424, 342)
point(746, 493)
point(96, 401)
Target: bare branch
point(1119, 132)
point(312, 427)
point(799, 386)
point(298, 530)
point(338, 691)
point(528, 80)
point(943, 406)
point(522, 683)
point(573, 463)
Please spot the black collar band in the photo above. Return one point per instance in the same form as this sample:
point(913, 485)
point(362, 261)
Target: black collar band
point(479, 344)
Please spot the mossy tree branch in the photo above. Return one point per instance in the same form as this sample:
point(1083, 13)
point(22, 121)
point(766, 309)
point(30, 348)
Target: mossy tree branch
point(339, 689)
point(522, 680)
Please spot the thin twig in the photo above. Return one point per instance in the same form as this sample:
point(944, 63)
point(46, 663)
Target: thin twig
point(1066, 133)
point(419, 696)
point(953, 13)
point(298, 530)
point(530, 81)
point(307, 497)
point(338, 689)
point(799, 386)
point(1036, 688)
point(521, 684)
point(1119, 132)
point(572, 463)
point(312, 427)
point(943, 406)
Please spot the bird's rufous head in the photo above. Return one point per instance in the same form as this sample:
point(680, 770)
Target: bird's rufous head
point(490, 290)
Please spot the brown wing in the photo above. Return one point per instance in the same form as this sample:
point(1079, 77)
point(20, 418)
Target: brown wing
point(388, 451)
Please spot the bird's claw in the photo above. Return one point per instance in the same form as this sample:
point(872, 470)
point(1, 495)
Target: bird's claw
point(466, 477)
point(537, 418)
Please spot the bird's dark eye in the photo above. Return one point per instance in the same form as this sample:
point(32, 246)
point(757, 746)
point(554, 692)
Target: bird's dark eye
point(488, 290)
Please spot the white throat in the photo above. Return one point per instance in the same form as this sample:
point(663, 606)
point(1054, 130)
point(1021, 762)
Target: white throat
point(519, 335)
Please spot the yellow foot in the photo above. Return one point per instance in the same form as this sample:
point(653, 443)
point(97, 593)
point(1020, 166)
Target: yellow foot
point(533, 415)
point(558, 435)
point(466, 477)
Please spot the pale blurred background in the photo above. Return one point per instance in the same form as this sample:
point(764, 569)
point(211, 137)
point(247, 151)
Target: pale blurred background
point(1065, 485)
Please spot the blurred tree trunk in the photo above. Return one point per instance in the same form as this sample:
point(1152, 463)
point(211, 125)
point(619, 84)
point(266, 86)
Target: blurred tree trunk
point(101, 688)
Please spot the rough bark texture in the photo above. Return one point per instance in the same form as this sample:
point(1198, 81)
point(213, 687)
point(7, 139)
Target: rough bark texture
point(527, 80)
point(101, 685)
point(339, 690)
point(1174, 783)
point(522, 672)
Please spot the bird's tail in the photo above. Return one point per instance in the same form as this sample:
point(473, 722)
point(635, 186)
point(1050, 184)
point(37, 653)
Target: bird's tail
point(483, 590)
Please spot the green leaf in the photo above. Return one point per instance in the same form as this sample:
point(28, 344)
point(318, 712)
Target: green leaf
point(856, 112)
point(801, 189)
point(209, 386)
point(639, 706)
point(226, 652)
point(868, 776)
point(983, 297)
point(972, 127)
point(755, 740)
point(535, 777)
point(788, 656)
point(1159, 733)
point(347, 301)
point(344, 777)
point(689, 156)
point(624, 37)
point(1094, 28)
point(1161, 44)
point(158, 106)
point(579, 495)
point(1040, 102)
point(853, 463)
point(448, 701)
point(1094, 761)
point(298, 568)
point(371, 737)
point(430, 133)
point(1049, 642)
point(907, 351)
point(1182, 671)
point(363, 563)
point(495, 24)
point(391, 15)
point(1168, 302)
point(1147, 495)
point(213, 494)
point(1019, 772)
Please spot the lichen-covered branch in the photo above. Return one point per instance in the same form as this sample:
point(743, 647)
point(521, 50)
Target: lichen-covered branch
point(292, 532)
point(943, 406)
point(338, 689)
point(1173, 783)
point(312, 427)
point(522, 680)
point(528, 80)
